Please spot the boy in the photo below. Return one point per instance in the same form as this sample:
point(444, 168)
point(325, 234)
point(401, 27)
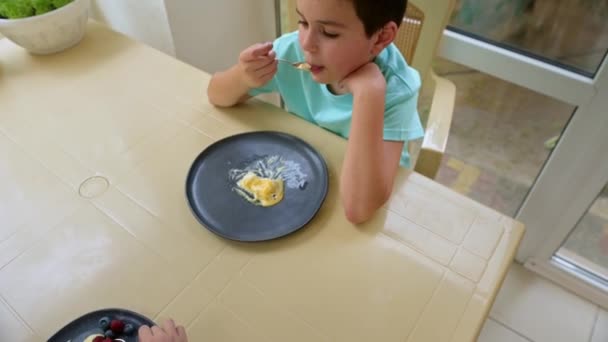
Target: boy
point(359, 87)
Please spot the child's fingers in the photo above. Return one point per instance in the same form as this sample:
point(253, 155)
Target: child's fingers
point(266, 69)
point(255, 51)
point(144, 332)
point(157, 331)
point(169, 326)
point(260, 64)
point(181, 331)
point(262, 49)
point(267, 75)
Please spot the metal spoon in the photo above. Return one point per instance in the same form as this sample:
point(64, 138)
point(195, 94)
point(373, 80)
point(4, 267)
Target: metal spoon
point(298, 65)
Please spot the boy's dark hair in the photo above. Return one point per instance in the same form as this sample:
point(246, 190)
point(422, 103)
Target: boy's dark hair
point(376, 13)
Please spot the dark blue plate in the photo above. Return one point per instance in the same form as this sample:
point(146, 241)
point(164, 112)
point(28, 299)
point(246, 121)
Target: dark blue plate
point(87, 325)
point(210, 194)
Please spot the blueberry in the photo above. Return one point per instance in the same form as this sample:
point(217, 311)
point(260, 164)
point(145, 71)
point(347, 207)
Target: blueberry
point(104, 323)
point(129, 329)
point(109, 333)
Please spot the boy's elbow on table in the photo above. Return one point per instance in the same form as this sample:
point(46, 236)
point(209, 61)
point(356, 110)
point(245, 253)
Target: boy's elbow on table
point(362, 211)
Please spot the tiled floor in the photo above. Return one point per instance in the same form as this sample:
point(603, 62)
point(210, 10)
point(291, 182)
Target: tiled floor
point(529, 308)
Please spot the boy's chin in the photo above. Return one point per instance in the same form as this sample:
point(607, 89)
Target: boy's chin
point(322, 79)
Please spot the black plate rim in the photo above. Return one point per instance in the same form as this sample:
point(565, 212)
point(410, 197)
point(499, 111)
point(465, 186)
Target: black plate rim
point(189, 180)
point(100, 311)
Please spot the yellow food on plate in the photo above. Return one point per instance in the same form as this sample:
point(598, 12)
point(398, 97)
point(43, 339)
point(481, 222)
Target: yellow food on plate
point(259, 190)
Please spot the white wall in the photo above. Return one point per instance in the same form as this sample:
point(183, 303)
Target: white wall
point(209, 34)
point(142, 20)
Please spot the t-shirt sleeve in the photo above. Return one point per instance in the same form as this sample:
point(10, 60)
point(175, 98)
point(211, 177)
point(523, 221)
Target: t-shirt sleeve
point(401, 119)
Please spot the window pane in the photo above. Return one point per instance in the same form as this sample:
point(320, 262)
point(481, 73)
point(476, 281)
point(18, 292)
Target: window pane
point(500, 137)
point(572, 33)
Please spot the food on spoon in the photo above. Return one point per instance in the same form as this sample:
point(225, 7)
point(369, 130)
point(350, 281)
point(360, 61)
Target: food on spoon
point(304, 66)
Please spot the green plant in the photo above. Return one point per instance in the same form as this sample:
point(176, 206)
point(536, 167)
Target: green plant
point(15, 9)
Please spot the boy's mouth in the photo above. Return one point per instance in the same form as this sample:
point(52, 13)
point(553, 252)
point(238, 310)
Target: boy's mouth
point(315, 69)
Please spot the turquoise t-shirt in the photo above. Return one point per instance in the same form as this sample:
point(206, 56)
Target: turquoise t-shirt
point(314, 102)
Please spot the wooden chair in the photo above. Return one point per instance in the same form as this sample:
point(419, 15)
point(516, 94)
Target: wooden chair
point(418, 39)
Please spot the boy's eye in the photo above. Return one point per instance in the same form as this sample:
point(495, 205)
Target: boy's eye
point(330, 35)
point(303, 23)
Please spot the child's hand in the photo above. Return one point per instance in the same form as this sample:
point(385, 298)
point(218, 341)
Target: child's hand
point(363, 79)
point(258, 65)
point(168, 333)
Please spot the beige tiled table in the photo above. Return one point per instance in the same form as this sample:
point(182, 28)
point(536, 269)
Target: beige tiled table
point(95, 144)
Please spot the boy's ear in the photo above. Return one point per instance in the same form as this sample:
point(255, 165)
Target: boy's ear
point(384, 37)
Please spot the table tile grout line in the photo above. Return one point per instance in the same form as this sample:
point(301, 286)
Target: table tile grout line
point(126, 230)
point(415, 249)
point(470, 231)
point(511, 329)
point(477, 205)
point(441, 237)
point(141, 206)
point(216, 297)
point(17, 315)
point(430, 230)
point(144, 208)
point(220, 252)
point(51, 172)
point(465, 310)
point(102, 210)
point(289, 312)
point(62, 150)
point(248, 324)
point(444, 276)
point(38, 242)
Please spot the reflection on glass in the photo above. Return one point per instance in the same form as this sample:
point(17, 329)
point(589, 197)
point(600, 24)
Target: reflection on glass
point(500, 137)
point(569, 32)
point(587, 244)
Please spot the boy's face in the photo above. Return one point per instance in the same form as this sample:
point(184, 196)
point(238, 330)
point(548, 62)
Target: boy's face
point(333, 39)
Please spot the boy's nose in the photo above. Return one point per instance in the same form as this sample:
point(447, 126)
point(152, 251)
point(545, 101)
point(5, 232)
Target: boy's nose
point(307, 41)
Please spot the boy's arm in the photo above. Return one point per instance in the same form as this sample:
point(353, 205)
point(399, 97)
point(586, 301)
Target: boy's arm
point(370, 164)
point(227, 89)
point(257, 66)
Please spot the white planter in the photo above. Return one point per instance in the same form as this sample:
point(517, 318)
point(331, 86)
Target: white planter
point(50, 32)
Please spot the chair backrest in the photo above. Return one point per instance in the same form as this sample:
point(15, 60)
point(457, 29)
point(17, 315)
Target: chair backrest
point(409, 32)
point(418, 36)
point(421, 32)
